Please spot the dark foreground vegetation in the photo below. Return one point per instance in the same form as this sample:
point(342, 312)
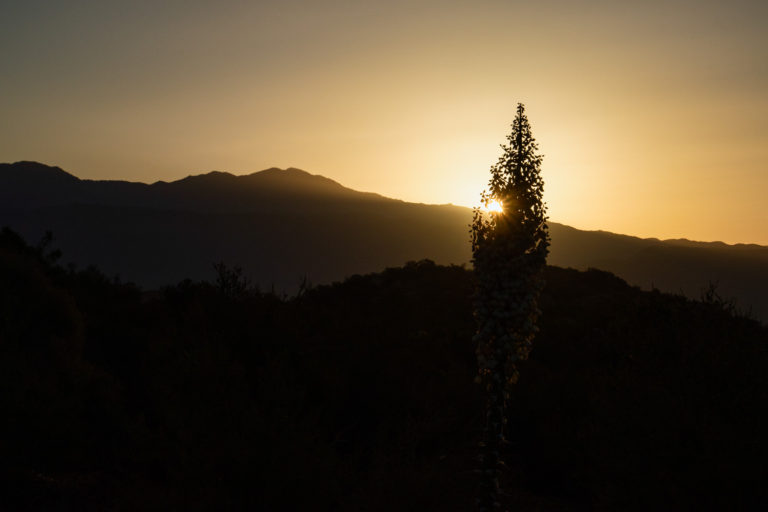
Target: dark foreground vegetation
point(361, 395)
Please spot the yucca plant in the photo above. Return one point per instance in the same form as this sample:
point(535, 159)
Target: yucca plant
point(510, 242)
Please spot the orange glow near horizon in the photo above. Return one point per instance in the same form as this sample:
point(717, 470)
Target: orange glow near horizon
point(652, 117)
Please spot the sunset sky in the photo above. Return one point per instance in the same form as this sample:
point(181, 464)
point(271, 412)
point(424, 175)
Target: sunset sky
point(652, 116)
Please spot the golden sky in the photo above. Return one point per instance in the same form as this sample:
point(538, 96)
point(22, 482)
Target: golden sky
point(652, 116)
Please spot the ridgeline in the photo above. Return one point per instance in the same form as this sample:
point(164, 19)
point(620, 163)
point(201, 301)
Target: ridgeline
point(283, 227)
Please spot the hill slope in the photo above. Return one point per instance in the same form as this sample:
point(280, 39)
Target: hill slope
point(360, 396)
point(283, 225)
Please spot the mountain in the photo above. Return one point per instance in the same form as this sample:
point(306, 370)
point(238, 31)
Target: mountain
point(739, 273)
point(26, 185)
point(282, 226)
point(279, 225)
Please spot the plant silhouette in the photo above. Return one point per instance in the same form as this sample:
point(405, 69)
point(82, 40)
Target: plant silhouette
point(509, 249)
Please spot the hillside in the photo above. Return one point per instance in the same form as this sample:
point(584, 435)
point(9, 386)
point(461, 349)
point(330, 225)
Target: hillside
point(278, 225)
point(281, 226)
point(360, 395)
point(739, 272)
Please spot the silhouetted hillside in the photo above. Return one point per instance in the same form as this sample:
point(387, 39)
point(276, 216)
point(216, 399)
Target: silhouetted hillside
point(361, 395)
point(32, 185)
point(740, 272)
point(279, 225)
point(283, 225)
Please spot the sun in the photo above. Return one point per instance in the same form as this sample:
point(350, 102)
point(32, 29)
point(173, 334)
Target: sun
point(493, 206)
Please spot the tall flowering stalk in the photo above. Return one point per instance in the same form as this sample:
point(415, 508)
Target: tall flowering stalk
point(509, 244)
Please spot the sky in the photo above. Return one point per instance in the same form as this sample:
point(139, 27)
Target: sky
point(652, 116)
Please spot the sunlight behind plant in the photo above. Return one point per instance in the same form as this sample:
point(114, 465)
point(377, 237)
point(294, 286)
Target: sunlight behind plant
point(493, 206)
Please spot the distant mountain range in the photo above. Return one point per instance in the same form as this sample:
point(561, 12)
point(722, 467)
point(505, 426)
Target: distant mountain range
point(281, 226)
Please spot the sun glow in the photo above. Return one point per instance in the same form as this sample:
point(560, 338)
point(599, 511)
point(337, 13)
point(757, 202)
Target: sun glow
point(494, 206)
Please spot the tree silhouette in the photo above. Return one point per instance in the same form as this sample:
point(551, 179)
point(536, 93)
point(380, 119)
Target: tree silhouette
point(510, 247)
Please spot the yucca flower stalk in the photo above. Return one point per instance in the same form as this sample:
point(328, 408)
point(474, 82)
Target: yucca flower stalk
point(509, 244)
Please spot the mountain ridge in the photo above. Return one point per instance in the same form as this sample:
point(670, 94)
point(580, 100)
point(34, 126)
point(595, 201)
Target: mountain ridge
point(27, 165)
point(281, 225)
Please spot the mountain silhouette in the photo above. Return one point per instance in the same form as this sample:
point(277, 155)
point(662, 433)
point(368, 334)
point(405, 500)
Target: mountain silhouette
point(284, 226)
